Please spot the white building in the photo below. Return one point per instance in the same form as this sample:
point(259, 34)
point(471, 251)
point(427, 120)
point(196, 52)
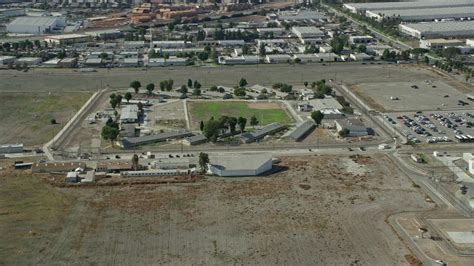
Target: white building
point(439, 43)
point(67, 39)
point(129, 114)
point(433, 30)
point(239, 60)
point(172, 61)
point(327, 57)
point(7, 60)
point(277, 58)
point(307, 32)
point(428, 14)
point(11, 12)
point(361, 8)
point(169, 44)
point(29, 61)
point(366, 39)
point(248, 165)
point(469, 158)
point(37, 25)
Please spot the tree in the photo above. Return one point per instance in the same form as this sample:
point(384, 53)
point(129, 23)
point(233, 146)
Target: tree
point(232, 122)
point(253, 121)
point(261, 50)
point(128, 96)
point(242, 121)
point(201, 125)
point(53, 121)
point(135, 162)
point(204, 162)
point(245, 49)
point(239, 92)
point(110, 132)
point(243, 82)
point(190, 83)
point(317, 116)
point(150, 88)
point(197, 92)
point(104, 55)
point(118, 99)
point(135, 85)
point(183, 89)
point(306, 84)
point(211, 130)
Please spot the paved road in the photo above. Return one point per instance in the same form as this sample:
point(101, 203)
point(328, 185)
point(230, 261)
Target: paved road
point(396, 43)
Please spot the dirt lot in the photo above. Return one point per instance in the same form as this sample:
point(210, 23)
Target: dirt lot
point(26, 117)
point(323, 210)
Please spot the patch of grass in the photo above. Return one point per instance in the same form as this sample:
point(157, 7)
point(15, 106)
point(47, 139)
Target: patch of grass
point(205, 110)
point(30, 214)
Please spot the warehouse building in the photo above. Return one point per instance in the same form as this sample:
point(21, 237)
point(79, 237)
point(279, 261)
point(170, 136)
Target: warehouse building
point(240, 60)
point(56, 167)
point(132, 142)
point(261, 133)
point(352, 127)
point(423, 14)
point(28, 61)
point(7, 60)
point(11, 12)
point(433, 30)
point(438, 44)
point(241, 165)
point(302, 130)
point(278, 58)
point(37, 25)
point(307, 32)
point(361, 8)
point(172, 61)
point(129, 114)
point(195, 140)
point(11, 148)
point(67, 39)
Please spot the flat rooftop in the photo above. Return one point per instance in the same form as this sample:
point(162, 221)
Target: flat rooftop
point(444, 12)
point(409, 5)
point(441, 26)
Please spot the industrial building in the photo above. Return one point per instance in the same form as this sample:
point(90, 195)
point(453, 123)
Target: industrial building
point(261, 133)
point(7, 60)
point(423, 14)
point(67, 39)
point(361, 8)
point(28, 61)
point(433, 30)
point(172, 61)
point(11, 148)
point(37, 25)
point(438, 44)
point(302, 130)
point(143, 140)
point(242, 165)
point(240, 60)
point(353, 127)
point(11, 12)
point(307, 32)
point(129, 114)
point(195, 140)
point(57, 167)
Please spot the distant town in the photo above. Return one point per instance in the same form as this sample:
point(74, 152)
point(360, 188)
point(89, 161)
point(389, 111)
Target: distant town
point(243, 132)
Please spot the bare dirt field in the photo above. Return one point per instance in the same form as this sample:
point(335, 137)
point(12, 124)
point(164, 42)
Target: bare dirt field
point(46, 80)
point(26, 116)
point(322, 210)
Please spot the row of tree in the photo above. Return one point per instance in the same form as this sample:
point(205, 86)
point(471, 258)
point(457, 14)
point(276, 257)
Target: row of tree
point(215, 128)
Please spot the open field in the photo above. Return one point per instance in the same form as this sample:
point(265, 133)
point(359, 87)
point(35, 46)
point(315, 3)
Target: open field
point(69, 80)
point(266, 112)
point(434, 95)
point(31, 217)
point(327, 210)
point(26, 116)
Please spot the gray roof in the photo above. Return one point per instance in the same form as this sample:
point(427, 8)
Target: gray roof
point(301, 15)
point(197, 138)
point(410, 5)
point(240, 162)
point(260, 133)
point(301, 130)
point(448, 12)
point(326, 103)
point(129, 112)
point(34, 21)
point(130, 142)
point(447, 26)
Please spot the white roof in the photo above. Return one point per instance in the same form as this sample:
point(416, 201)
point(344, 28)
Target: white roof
point(33, 21)
point(441, 26)
point(240, 162)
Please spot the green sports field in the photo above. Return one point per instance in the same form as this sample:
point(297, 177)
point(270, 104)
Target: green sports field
point(266, 112)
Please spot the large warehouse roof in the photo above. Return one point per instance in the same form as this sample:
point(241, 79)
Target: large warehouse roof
point(439, 29)
point(240, 162)
point(427, 13)
point(33, 21)
point(360, 7)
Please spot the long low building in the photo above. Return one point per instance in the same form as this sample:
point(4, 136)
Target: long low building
point(248, 165)
point(433, 30)
point(11, 148)
point(136, 141)
point(261, 133)
point(363, 7)
point(302, 130)
point(428, 14)
point(56, 167)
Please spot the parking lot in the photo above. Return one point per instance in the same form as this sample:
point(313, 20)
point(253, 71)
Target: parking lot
point(434, 127)
point(413, 96)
